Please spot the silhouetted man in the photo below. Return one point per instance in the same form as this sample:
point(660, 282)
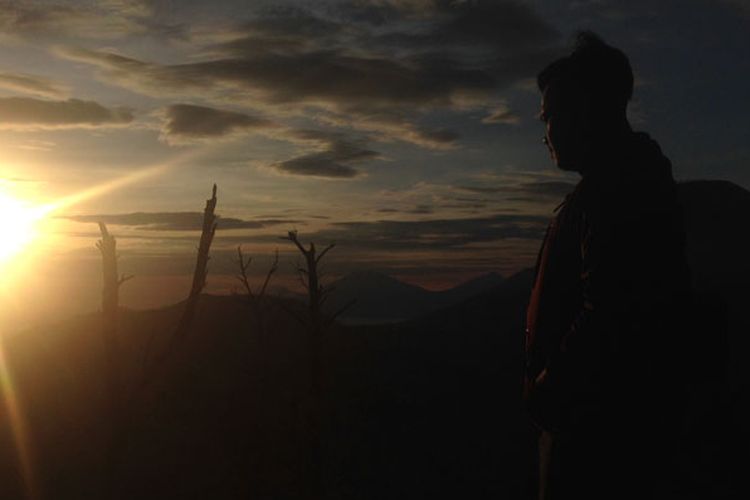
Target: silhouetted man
point(607, 306)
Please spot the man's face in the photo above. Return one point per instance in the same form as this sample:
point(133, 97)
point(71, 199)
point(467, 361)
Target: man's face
point(564, 131)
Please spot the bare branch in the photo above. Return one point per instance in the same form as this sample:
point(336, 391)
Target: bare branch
point(244, 264)
point(302, 275)
point(292, 236)
point(103, 230)
point(274, 267)
point(124, 278)
point(325, 293)
point(323, 300)
point(325, 251)
point(293, 313)
point(342, 310)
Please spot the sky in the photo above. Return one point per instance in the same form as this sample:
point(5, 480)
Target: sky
point(405, 131)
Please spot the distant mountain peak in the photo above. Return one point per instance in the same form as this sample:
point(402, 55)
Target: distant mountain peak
point(370, 278)
point(381, 297)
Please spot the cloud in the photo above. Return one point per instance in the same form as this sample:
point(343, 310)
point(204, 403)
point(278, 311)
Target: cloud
point(32, 84)
point(283, 27)
point(17, 180)
point(435, 233)
point(329, 154)
point(336, 63)
point(185, 122)
point(107, 19)
point(333, 160)
point(418, 210)
point(501, 114)
point(174, 221)
point(395, 125)
point(466, 205)
point(133, 8)
point(527, 191)
point(382, 12)
point(548, 188)
point(29, 20)
point(422, 209)
point(31, 113)
point(478, 194)
point(502, 26)
point(317, 165)
point(331, 77)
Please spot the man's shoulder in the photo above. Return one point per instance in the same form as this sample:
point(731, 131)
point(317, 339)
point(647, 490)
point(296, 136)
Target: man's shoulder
point(638, 186)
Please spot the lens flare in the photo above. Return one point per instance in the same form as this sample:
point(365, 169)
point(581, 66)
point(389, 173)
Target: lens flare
point(18, 425)
point(20, 221)
point(19, 225)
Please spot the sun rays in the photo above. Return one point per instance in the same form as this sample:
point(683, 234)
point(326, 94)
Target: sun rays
point(17, 424)
point(22, 219)
point(22, 226)
point(19, 225)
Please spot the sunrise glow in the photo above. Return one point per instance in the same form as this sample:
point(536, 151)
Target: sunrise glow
point(19, 225)
point(317, 249)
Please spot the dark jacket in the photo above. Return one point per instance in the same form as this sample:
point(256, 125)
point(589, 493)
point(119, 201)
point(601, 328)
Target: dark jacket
point(610, 296)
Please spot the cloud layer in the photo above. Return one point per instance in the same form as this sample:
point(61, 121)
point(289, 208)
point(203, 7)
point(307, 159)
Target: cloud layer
point(435, 233)
point(333, 156)
point(173, 221)
point(105, 19)
point(190, 122)
point(28, 112)
point(328, 154)
point(377, 67)
point(32, 84)
point(537, 191)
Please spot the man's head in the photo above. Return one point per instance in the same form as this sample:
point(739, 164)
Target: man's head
point(584, 100)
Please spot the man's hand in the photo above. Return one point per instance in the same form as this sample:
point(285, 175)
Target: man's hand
point(544, 403)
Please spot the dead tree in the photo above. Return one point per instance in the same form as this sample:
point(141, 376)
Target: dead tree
point(317, 293)
point(316, 323)
point(199, 275)
point(110, 308)
point(112, 281)
point(181, 331)
point(259, 306)
point(153, 365)
point(256, 300)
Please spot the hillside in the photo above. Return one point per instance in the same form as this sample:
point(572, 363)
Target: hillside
point(424, 408)
point(402, 402)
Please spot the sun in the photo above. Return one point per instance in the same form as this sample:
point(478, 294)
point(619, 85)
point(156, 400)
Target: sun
point(18, 227)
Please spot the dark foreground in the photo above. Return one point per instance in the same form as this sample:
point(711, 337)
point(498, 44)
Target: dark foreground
point(428, 408)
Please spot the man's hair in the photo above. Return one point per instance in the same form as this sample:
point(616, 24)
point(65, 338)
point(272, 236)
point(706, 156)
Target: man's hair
point(595, 71)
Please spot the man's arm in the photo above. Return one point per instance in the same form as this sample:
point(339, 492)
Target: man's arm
point(612, 347)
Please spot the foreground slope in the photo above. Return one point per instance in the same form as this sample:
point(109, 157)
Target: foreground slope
point(424, 408)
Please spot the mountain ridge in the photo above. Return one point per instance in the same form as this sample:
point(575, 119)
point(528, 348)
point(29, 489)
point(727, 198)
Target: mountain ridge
point(380, 298)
